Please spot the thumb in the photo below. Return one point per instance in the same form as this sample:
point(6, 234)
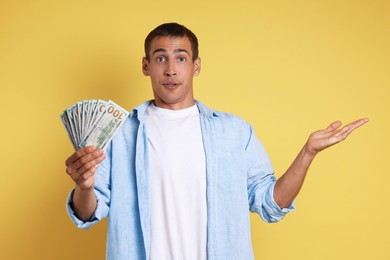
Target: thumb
point(333, 126)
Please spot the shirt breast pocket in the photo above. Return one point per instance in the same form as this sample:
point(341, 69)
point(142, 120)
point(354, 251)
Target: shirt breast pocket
point(231, 173)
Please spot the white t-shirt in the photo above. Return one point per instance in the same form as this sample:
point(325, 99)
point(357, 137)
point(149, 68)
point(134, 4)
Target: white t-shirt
point(178, 184)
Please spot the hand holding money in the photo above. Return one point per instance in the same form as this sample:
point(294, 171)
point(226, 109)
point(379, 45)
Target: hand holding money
point(82, 164)
point(81, 167)
point(90, 125)
point(93, 122)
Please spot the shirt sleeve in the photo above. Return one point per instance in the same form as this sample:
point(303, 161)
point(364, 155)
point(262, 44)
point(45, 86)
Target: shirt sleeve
point(261, 182)
point(102, 191)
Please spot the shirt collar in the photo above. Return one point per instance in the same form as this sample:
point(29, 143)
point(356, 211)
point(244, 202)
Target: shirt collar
point(139, 111)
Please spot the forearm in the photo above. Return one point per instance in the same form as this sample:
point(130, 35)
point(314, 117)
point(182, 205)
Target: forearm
point(84, 203)
point(289, 184)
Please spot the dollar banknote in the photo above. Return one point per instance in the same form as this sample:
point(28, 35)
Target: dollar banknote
point(93, 122)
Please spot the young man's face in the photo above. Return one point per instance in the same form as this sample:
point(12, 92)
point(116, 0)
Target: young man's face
point(171, 70)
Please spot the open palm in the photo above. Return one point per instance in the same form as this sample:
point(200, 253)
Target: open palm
point(333, 134)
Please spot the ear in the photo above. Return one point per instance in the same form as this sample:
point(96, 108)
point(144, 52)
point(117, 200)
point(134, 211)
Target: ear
point(145, 65)
point(197, 66)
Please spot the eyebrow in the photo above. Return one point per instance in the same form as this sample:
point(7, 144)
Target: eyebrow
point(175, 51)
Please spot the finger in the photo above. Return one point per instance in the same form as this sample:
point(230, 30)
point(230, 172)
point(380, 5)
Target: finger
point(352, 126)
point(79, 153)
point(333, 126)
point(86, 159)
point(76, 173)
point(359, 122)
point(87, 175)
point(87, 178)
point(90, 164)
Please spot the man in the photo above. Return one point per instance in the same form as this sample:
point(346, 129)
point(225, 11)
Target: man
point(179, 179)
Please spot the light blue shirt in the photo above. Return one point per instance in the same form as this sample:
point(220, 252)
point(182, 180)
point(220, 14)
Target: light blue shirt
point(239, 179)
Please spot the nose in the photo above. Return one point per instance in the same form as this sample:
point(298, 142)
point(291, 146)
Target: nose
point(169, 73)
point(170, 70)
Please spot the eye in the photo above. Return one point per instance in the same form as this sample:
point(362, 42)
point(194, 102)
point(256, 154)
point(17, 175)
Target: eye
point(182, 59)
point(160, 59)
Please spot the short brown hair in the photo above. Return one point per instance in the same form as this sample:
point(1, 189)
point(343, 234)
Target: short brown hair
point(172, 30)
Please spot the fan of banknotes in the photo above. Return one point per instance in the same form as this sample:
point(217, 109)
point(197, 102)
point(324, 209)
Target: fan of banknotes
point(93, 122)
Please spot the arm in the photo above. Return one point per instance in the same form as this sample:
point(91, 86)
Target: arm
point(289, 184)
point(81, 166)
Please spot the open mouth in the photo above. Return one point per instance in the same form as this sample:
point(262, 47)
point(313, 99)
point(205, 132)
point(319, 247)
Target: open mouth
point(171, 85)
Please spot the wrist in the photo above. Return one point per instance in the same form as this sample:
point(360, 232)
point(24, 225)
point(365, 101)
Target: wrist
point(308, 152)
point(84, 189)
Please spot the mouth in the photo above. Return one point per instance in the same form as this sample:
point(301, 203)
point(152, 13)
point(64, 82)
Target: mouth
point(171, 85)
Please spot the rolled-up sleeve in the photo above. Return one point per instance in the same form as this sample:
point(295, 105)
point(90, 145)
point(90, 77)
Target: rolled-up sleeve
point(267, 208)
point(102, 191)
point(100, 212)
point(261, 182)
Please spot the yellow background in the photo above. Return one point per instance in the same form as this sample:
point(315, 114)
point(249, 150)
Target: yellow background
point(287, 67)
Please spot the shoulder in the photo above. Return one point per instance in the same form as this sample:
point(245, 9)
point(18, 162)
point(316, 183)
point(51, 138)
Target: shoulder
point(229, 117)
point(128, 131)
point(222, 117)
point(228, 129)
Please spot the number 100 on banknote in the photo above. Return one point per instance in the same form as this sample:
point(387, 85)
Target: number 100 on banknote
point(93, 122)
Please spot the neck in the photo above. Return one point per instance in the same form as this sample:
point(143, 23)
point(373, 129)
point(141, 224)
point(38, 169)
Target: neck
point(173, 106)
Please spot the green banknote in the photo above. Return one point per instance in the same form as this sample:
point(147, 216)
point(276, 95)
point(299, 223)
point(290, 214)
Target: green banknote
point(93, 122)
